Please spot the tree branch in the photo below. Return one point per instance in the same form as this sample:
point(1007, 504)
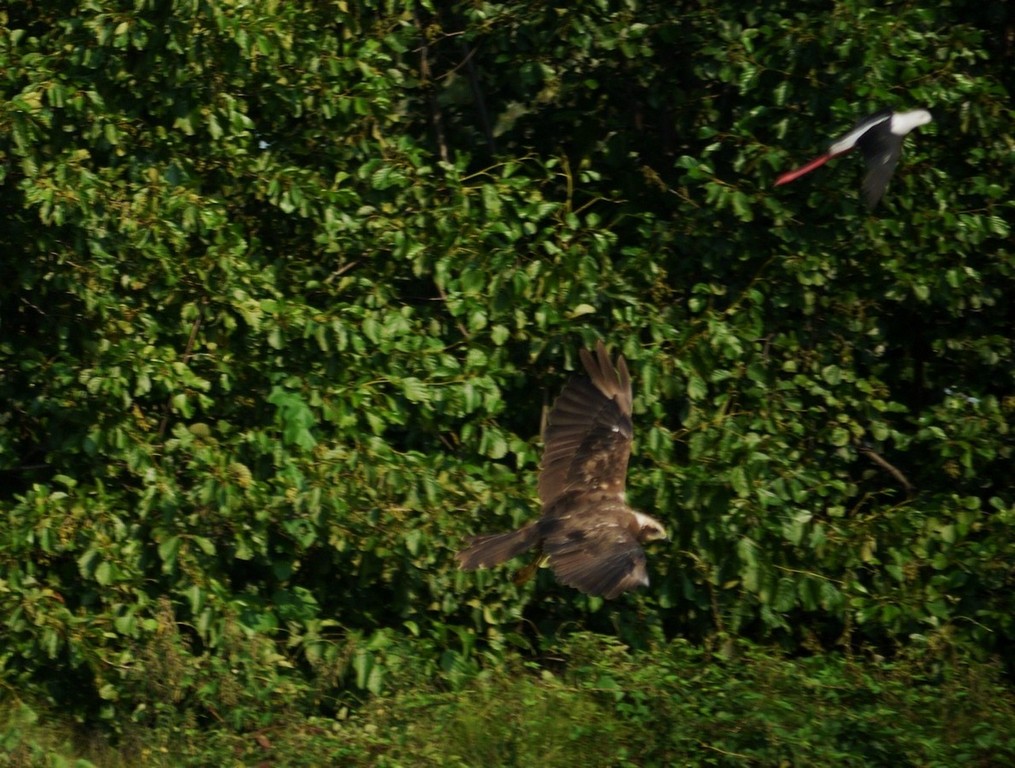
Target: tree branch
point(874, 456)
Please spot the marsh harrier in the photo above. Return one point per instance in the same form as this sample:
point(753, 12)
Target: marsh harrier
point(587, 533)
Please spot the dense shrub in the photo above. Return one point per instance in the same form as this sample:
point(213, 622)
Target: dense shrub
point(287, 286)
point(591, 701)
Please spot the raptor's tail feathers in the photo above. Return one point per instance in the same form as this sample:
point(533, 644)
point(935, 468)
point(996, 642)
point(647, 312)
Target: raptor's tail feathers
point(497, 548)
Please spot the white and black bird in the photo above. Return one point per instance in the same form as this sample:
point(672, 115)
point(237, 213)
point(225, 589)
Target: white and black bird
point(879, 138)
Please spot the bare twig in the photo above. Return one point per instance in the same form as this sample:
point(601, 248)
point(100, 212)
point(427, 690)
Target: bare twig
point(874, 456)
point(341, 271)
point(477, 95)
point(431, 97)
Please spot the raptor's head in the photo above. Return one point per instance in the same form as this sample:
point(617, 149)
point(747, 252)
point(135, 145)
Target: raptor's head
point(649, 529)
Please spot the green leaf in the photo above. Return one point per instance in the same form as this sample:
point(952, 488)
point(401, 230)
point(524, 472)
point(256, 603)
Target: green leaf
point(168, 550)
point(415, 390)
point(839, 437)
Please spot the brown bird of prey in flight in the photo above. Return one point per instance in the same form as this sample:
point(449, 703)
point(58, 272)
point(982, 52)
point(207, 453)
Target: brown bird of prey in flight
point(589, 535)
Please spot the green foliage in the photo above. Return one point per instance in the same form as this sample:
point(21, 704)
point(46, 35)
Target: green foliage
point(827, 710)
point(680, 705)
point(288, 284)
point(591, 701)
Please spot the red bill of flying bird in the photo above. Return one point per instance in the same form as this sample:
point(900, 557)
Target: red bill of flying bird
point(879, 138)
point(589, 535)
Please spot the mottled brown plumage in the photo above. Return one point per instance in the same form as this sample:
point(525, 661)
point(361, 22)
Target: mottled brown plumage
point(587, 532)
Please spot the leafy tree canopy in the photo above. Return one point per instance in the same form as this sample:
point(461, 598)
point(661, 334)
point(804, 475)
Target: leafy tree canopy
point(287, 285)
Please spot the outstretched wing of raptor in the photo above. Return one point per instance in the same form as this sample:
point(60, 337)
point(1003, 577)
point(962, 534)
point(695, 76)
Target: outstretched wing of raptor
point(589, 430)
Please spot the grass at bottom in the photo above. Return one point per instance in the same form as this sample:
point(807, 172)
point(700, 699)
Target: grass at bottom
point(597, 704)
